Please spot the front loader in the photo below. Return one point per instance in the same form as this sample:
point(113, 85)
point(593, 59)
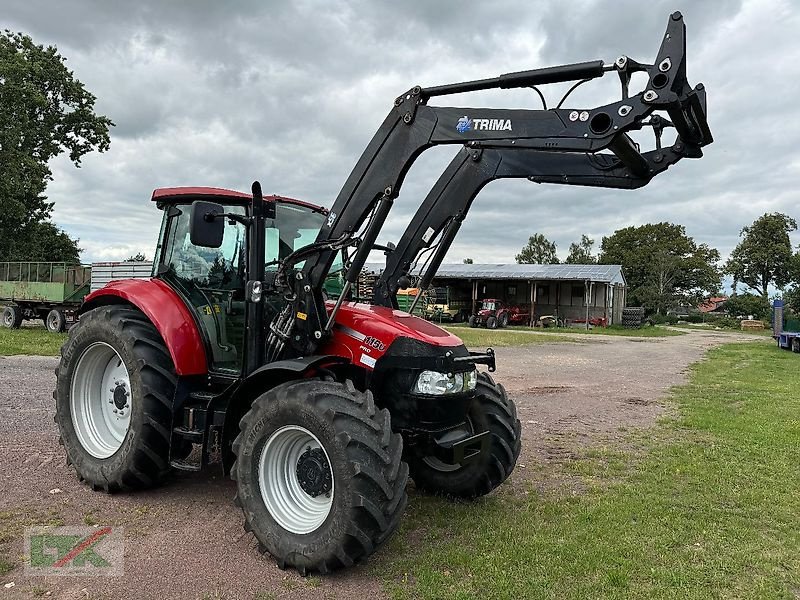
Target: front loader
point(232, 354)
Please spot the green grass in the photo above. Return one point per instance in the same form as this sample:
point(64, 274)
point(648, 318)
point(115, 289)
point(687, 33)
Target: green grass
point(656, 331)
point(500, 337)
point(707, 506)
point(648, 331)
point(711, 327)
point(30, 340)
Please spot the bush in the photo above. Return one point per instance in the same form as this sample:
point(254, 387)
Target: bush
point(657, 319)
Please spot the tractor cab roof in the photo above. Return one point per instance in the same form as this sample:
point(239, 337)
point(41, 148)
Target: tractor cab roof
point(174, 195)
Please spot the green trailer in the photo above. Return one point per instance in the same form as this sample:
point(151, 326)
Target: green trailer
point(50, 291)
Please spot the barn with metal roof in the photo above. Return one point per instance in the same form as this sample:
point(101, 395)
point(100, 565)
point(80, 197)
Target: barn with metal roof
point(570, 293)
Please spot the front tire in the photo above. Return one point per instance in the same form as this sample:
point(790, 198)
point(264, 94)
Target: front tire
point(491, 323)
point(473, 322)
point(319, 474)
point(114, 391)
point(12, 317)
point(492, 410)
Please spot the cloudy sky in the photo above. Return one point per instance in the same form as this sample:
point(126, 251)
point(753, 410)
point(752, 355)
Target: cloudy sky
point(222, 93)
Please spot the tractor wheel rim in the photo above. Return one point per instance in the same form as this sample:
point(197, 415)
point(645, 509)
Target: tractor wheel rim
point(8, 319)
point(52, 322)
point(292, 507)
point(101, 400)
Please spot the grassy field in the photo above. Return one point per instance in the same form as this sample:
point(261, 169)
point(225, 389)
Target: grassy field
point(704, 506)
point(501, 337)
point(30, 340)
point(652, 331)
point(610, 330)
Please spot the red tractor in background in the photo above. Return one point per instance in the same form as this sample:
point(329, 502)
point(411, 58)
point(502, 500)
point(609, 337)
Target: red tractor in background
point(320, 410)
point(495, 313)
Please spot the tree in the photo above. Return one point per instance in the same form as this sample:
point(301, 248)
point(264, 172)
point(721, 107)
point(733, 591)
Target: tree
point(743, 305)
point(764, 256)
point(468, 261)
point(44, 111)
point(138, 257)
point(662, 265)
point(538, 250)
point(580, 253)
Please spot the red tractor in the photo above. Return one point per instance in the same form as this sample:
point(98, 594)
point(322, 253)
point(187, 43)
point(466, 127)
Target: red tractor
point(321, 410)
point(495, 313)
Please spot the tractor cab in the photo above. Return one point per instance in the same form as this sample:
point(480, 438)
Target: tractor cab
point(211, 280)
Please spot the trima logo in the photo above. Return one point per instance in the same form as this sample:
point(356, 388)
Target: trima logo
point(74, 551)
point(466, 124)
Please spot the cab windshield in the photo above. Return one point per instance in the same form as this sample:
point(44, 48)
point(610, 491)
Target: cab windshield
point(488, 306)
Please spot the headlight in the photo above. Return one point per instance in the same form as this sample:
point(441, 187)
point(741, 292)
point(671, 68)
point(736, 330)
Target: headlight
point(434, 383)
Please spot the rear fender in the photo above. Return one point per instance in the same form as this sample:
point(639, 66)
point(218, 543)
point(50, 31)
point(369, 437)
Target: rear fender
point(166, 311)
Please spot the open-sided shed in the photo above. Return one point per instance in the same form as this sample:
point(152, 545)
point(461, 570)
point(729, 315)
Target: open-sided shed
point(571, 292)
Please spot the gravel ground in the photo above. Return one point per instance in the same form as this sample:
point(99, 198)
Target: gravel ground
point(185, 540)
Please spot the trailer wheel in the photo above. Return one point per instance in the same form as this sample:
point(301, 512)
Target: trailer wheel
point(12, 317)
point(55, 321)
point(492, 411)
point(319, 474)
point(795, 344)
point(491, 322)
point(114, 391)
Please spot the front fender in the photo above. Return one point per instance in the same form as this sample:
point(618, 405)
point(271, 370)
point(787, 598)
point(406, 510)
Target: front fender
point(166, 311)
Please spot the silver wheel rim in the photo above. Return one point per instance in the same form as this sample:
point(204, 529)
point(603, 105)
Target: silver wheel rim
point(100, 400)
point(287, 502)
point(8, 318)
point(52, 322)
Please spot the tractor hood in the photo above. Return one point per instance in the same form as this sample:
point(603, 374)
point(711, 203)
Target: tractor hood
point(364, 332)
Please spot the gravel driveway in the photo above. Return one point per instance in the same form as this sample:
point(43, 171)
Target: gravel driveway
point(185, 540)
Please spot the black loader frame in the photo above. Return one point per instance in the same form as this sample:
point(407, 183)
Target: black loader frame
point(567, 140)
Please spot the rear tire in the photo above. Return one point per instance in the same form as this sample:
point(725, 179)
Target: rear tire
point(492, 410)
point(55, 321)
point(504, 320)
point(795, 345)
point(352, 497)
point(491, 323)
point(12, 317)
point(115, 347)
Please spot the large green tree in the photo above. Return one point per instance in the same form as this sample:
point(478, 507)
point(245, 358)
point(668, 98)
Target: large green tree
point(764, 255)
point(44, 111)
point(538, 250)
point(663, 266)
point(580, 253)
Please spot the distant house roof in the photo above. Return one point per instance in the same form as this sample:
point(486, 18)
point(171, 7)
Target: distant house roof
point(597, 273)
point(711, 304)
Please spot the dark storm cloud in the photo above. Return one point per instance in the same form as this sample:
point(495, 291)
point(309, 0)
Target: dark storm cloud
point(213, 93)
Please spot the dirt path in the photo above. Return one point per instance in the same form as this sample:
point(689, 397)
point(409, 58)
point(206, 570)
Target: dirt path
point(185, 540)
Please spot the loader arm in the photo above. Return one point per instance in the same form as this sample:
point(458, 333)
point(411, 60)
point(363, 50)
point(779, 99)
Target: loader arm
point(439, 217)
point(413, 126)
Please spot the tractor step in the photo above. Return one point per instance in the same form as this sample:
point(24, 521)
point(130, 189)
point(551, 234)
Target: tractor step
point(202, 397)
point(183, 465)
point(192, 435)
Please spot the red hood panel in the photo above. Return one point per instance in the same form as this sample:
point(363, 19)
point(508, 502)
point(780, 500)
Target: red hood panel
point(363, 332)
point(386, 324)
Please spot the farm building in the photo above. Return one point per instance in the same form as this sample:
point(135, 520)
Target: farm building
point(571, 292)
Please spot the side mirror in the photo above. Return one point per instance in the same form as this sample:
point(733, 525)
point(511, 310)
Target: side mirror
point(206, 226)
